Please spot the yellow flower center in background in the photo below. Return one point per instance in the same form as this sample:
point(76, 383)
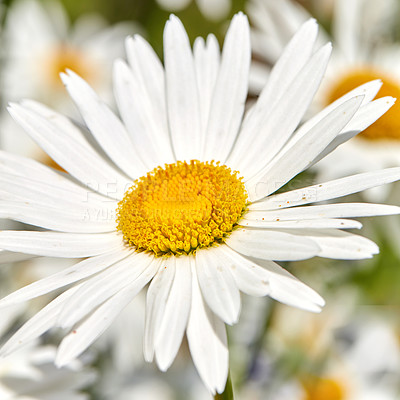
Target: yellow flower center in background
point(64, 57)
point(386, 127)
point(181, 207)
point(323, 389)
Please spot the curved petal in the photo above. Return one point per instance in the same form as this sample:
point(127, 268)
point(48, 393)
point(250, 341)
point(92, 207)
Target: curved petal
point(91, 328)
point(30, 173)
point(328, 190)
point(298, 154)
point(59, 244)
point(207, 342)
point(287, 289)
point(57, 219)
point(340, 245)
point(18, 188)
point(338, 210)
point(81, 270)
point(181, 91)
point(137, 267)
point(272, 245)
point(156, 302)
point(217, 285)
point(250, 278)
point(176, 314)
point(104, 125)
point(270, 279)
point(296, 55)
point(230, 92)
point(337, 223)
point(41, 322)
point(79, 159)
point(207, 63)
point(147, 128)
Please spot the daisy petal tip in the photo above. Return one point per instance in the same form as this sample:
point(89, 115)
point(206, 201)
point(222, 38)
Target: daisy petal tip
point(64, 78)
point(163, 363)
point(173, 20)
point(328, 47)
point(60, 361)
point(148, 357)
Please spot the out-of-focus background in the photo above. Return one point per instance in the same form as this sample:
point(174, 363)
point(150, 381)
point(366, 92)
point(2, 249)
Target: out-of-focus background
point(351, 350)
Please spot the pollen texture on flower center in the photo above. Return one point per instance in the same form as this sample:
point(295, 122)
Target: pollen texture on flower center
point(181, 207)
point(386, 127)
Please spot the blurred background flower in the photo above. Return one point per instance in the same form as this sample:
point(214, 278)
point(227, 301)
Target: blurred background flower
point(351, 350)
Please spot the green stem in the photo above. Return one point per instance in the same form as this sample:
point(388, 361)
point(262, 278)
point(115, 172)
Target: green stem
point(228, 392)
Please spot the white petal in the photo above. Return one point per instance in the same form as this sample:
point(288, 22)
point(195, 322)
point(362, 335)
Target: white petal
point(249, 277)
point(58, 120)
point(149, 73)
point(328, 190)
point(340, 210)
point(229, 97)
point(27, 170)
point(81, 161)
point(137, 267)
point(91, 328)
point(295, 56)
point(363, 118)
point(217, 285)
point(41, 322)
point(54, 194)
point(207, 342)
point(207, 62)
point(340, 245)
point(278, 125)
point(145, 63)
point(147, 128)
point(59, 244)
point(104, 125)
point(271, 245)
point(182, 94)
point(81, 270)
point(289, 290)
point(63, 220)
point(176, 314)
point(298, 224)
point(298, 154)
point(156, 302)
point(368, 90)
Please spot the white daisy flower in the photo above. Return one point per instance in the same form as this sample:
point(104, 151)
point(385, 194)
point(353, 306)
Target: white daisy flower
point(362, 52)
point(214, 10)
point(179, 195)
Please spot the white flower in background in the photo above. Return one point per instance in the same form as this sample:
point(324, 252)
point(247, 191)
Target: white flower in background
point(30, 372)
point(366, 369)
point(348, 352)
point(48, 44)
point(214, 10)
point(197, 230)
point(362, 52)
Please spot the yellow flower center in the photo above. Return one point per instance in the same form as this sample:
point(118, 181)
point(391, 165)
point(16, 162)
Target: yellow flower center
point(181, 207)
point(64, 57)
point(323, 389)
point(386, 127)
